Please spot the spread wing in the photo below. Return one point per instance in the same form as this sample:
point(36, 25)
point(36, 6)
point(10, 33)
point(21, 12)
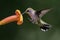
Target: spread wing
point(43, 12)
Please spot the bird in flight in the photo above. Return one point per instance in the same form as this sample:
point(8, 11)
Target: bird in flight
point(36, 18)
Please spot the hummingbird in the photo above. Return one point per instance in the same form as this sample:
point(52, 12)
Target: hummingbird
point(36, 18)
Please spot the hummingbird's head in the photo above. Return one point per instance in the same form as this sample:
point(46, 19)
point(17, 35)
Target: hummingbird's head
point(28, 11)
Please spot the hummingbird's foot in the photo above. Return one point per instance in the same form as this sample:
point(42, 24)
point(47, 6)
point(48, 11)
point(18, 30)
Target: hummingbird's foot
point(36, 22)
point(45, 27)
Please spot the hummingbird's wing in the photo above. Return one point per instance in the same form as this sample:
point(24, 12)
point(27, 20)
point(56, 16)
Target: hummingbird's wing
point(43, 12)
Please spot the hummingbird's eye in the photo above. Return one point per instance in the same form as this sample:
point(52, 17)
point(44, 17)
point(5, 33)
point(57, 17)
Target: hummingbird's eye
point(27, 10)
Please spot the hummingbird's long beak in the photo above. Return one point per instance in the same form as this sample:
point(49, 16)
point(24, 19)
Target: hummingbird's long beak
point(23, 12)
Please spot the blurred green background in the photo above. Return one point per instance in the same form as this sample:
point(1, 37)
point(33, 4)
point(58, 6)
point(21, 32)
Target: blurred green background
point(29, 31)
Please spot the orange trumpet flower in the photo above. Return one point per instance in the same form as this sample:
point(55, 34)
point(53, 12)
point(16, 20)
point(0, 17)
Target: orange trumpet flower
point(18, 17)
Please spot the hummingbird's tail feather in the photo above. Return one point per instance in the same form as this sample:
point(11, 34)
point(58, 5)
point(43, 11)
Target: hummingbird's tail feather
point(45, 26)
